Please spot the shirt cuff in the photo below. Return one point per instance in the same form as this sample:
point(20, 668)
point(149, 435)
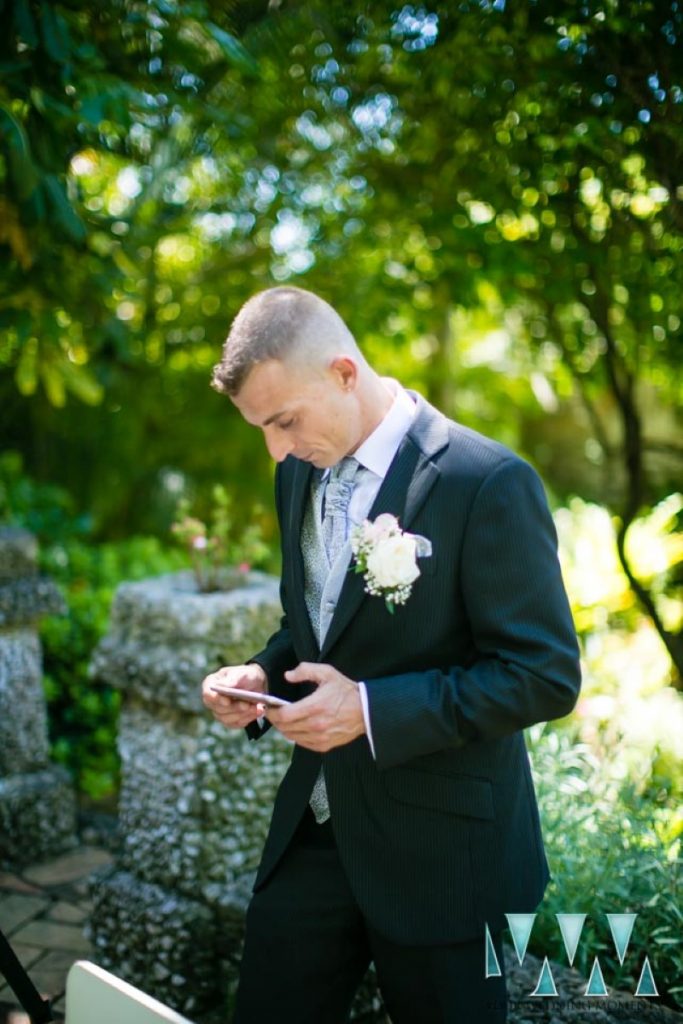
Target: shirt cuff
point(366, 716)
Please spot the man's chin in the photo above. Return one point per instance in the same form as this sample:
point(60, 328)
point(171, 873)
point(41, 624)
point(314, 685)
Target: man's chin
point(316, 460)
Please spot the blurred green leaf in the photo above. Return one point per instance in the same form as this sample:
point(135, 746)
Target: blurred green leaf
point(64, 212)
point(234, 50)
point(55, 33)
point(24, 175)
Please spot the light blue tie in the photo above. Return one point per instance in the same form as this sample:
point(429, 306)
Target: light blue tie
point(335, 521)
point(336, 502)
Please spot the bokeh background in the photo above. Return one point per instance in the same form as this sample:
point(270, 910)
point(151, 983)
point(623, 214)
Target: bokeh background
point(491, 194)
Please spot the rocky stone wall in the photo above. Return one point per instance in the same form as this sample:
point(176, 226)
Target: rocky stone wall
point(196, 799)
point(37, 802)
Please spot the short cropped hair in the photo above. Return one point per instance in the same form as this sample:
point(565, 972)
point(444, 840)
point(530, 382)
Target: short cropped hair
point(285, 323)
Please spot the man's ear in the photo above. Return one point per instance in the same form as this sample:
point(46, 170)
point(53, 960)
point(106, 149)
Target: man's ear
point(345, 371)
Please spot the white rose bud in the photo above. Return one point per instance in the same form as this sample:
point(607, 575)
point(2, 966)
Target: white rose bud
point(393, 562)
point(381, 527)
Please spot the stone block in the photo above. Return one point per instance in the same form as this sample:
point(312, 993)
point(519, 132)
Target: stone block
point(165, 637)
point(18, 553)
point(37, 816)
point(25, 600)
point(155, 939)
point(196, 799)
point(23, 715)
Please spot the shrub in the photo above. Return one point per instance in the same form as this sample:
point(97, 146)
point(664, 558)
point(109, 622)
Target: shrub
point(614, 846)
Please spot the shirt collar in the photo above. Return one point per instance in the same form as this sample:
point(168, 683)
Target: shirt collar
point(377, 451)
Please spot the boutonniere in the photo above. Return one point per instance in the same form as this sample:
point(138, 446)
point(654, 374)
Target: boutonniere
point(387, 556)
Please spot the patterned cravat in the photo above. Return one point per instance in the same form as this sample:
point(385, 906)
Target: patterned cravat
point(337, 498)
point(336, 502)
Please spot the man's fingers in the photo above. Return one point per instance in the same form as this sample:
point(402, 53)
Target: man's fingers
point(236, 713)
point(297, 711)
point(307, 672)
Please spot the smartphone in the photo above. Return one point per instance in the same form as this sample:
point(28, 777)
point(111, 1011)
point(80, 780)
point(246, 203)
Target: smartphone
point(248, 695)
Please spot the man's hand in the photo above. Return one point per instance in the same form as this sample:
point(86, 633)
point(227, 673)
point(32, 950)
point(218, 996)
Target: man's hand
point(235, 714)
point(330, 717)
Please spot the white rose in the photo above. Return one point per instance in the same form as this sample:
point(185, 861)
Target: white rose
point(393, 563)
point(381, 527)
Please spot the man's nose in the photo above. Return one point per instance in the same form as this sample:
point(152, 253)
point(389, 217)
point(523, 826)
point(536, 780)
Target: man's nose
point(279, 446)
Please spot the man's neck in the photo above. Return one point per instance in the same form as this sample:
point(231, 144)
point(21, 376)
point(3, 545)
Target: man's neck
point(378, 401)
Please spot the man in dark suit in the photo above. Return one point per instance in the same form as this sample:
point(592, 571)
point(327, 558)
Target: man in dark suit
point(406, 824)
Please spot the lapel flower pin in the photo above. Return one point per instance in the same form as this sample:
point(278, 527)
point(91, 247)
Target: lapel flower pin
point(387, 556)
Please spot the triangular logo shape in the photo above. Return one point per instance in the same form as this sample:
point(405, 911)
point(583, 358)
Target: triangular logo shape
point(596, 982)
point(621, 926)
point(492, 967)
point(520, 926)
point(646, 982)
point(545, 986)
point(571, 926)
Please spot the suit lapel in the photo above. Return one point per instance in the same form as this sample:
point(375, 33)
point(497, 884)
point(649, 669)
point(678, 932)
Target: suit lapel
point(404, 489)
point(301, 481)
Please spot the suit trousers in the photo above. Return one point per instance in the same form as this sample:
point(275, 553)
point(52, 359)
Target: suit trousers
point(308, 946)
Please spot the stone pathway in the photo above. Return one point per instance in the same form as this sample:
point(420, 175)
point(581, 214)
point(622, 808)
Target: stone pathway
point(42, 912)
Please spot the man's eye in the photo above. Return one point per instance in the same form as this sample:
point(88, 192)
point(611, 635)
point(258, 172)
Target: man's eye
point(285, 425)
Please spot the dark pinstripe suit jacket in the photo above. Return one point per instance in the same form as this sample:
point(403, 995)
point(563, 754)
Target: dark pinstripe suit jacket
point(441, 833)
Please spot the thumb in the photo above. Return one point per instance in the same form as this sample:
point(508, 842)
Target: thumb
point(305, 672)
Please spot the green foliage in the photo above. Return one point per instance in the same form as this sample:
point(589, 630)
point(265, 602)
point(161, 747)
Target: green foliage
point(83, 715)
point(614, 846)
point(485, 192)
point(121, 81)
point(46, 510)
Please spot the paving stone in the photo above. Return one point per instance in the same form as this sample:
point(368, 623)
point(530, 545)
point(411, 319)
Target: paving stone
point(66, 913)
point(48, 982)
point(49, 974)
point(71, 867)
point(16, 909)
point(13, 883)
point(58, 960)
point(52, 935)
point(27, 955)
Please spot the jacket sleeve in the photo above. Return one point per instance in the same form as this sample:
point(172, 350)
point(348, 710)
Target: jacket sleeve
point(278, 655)
point(526, 663)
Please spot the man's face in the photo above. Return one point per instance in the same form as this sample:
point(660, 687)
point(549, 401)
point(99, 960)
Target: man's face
point(310, 413)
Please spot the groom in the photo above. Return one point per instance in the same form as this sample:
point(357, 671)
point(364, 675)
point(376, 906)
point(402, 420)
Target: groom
point(407, 820)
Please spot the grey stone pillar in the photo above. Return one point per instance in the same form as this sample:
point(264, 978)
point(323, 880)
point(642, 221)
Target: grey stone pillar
point(37, 802)
point(196, 798)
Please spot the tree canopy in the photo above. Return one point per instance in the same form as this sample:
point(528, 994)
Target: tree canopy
point(489, 193)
